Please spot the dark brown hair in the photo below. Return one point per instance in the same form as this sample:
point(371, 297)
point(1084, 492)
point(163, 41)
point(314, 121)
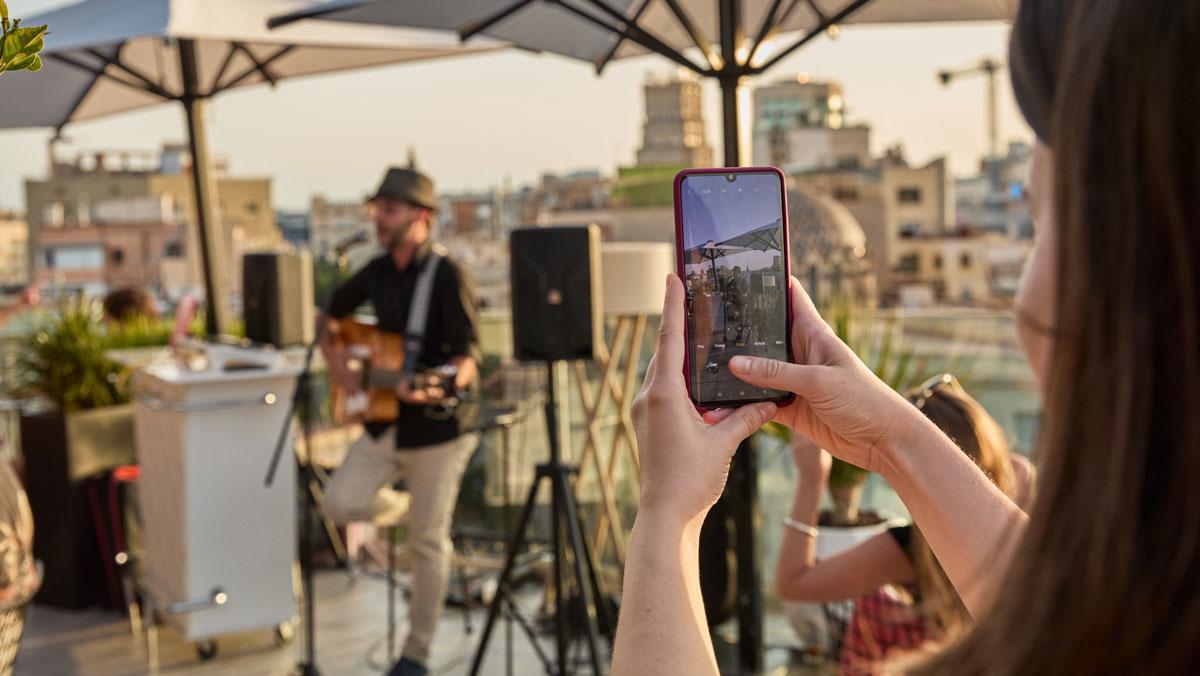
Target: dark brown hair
point(980, 437)
point(1107, 576)
point(128, 303)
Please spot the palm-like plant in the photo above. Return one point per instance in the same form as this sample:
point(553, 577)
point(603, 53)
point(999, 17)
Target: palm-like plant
point(63, 357)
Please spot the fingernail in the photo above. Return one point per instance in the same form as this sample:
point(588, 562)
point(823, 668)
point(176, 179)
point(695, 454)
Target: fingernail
point(740, 363)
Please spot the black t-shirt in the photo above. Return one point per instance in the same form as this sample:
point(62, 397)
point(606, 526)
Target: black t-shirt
point(452, 329)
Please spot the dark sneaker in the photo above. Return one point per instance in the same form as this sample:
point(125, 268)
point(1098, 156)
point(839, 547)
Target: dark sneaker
point(407, 667)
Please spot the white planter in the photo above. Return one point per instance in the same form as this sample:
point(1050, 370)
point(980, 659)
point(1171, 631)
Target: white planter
point(834, 540)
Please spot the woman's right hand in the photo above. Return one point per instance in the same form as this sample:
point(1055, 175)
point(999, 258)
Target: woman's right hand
point(840, 405)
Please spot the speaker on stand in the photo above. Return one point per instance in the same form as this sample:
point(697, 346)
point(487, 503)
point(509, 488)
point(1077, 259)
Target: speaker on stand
point(556, 317)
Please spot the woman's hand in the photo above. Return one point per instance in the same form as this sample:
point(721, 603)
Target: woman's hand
point(845, 409)
point(684, 463)
point(684, 460)
point(840, 404)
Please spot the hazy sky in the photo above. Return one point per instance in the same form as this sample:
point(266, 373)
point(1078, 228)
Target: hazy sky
point(476, 120)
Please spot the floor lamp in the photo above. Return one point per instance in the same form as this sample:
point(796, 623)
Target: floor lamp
point(634, 282)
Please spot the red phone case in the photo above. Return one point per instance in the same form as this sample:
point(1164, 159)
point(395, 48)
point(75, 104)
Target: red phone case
point(679, 270)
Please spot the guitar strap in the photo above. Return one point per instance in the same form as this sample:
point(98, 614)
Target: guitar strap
point(418, 313)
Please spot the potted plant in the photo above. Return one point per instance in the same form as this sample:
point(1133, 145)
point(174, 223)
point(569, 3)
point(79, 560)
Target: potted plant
point(79, 426)
point(19, 45)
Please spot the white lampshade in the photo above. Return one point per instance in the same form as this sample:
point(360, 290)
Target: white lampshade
point(635, 276)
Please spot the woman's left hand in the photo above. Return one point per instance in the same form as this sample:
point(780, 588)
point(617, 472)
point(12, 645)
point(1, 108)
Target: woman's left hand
point(684, 460)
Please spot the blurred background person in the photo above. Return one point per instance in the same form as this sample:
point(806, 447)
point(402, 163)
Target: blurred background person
point(128, 304)
point(903, 598)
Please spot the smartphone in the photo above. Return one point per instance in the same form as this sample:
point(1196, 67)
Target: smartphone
point(731, 247)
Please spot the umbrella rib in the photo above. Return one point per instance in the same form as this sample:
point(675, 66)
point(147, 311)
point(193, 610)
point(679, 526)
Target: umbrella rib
point(316, 13)
point(75, 106)
point(779, 21)
point(132, 72)
point(101, 72)
point(256, 68)
point(471, 30)
point(821, 28)
point(216, 82)
point(612, 53)
point(787, 13)
point(260, 67)
point(698, 37)
point(632, 31)
point(768, 27)
point(816, 10)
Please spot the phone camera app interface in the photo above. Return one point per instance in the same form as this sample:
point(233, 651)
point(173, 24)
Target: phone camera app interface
point(734, 278)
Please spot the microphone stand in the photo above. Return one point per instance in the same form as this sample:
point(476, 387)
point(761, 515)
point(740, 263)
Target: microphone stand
point(302, 402)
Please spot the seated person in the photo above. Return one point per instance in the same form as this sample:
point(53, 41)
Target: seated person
point(920, 604)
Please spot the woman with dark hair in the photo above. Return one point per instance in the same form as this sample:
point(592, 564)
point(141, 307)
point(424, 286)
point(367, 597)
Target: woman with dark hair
point(1101, 576)
point(903, 599)
point(128, 304)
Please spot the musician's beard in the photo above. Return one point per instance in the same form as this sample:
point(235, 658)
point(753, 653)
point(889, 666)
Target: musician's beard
point(393, 239)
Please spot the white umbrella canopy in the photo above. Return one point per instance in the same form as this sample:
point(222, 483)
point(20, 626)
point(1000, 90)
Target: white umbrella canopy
point(103, 57)
point(728, 35)
point(599, 31)
point(110, 56)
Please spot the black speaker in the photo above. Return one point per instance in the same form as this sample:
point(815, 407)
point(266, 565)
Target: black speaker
point(556, 292)
point(277, 298)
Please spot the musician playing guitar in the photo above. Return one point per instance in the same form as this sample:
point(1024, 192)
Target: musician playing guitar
point(429, 451)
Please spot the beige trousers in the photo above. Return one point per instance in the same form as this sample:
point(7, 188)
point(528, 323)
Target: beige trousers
point(361, 490)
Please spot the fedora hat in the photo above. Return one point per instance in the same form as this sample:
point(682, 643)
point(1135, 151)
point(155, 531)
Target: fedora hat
point(407, 185)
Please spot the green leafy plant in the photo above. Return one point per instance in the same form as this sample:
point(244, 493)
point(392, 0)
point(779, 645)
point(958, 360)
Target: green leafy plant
point(63, 357)
point(19, 45)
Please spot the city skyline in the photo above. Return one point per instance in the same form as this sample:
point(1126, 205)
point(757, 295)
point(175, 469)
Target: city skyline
point(517, 115)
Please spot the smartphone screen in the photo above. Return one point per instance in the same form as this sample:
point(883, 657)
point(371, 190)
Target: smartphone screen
point(735, 270)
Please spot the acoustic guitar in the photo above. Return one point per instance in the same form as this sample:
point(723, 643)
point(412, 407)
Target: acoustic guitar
point(378, 357)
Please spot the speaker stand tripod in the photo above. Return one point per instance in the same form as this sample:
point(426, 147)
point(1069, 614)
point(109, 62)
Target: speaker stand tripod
point(570, 545)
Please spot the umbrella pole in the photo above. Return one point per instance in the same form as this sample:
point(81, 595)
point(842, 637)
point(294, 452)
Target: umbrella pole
point(742, 490)
point(731, 121)
point(211, 236)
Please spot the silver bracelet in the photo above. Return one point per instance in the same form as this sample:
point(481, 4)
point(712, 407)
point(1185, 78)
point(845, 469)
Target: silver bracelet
point(800, 526)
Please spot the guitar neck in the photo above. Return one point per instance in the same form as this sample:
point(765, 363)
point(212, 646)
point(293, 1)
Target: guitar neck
point(390, 379)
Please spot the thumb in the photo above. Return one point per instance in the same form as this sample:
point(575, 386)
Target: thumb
point(775, 374)
point(744, 421)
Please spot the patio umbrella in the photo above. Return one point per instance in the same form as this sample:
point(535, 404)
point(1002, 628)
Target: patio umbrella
point(109, 56)
point(716, 31)
point(711, 251)
point(762, 238)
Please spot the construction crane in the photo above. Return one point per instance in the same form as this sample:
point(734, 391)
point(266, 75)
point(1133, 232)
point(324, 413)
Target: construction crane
point(989, 68)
